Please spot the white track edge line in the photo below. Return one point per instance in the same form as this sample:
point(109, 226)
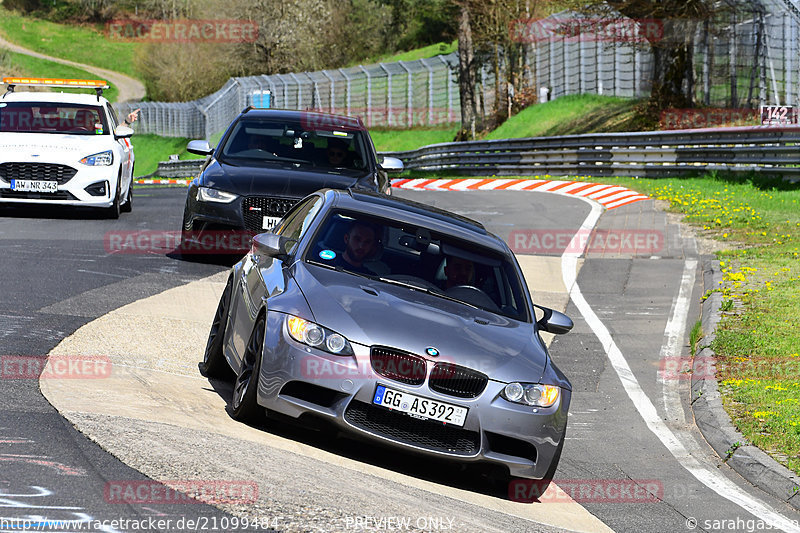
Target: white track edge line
point(711, 479)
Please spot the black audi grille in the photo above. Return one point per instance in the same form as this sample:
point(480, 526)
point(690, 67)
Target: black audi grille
point(402, 428)
point(399, 366)
point(58, 195)
point(37, 171)
point(456, 380)
point(254, 208)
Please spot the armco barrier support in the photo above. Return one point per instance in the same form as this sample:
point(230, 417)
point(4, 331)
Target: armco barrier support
point(749, 149)
point(766, 150)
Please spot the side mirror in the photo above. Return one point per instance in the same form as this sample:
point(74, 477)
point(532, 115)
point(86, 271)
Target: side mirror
point(554, 321)
point(199, 148)
point(272, 245)
point(123, 132)
point(392, 164)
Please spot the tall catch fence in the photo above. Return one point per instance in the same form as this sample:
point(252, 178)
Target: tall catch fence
point(746, 55)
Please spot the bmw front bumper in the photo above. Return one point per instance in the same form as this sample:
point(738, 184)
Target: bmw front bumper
point(298, 380)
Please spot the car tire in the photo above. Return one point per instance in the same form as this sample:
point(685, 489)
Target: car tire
point(214, 364)
point(115, 209)
point(244, 404)
point(551, 472)
point(533, 488)
point(543, 484)
point(127, 207)
point(186, 246)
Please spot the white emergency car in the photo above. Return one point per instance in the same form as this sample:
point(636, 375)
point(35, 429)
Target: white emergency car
point(64, 149)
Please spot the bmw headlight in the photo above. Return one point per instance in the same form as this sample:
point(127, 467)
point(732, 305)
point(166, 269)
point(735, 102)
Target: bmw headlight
point(206, 194)
point(102, 159)
point(534, 394)
point(315, 335)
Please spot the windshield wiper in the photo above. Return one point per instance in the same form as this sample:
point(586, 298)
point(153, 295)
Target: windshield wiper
point(424, 289)
point(406, 284)
point(339, 268)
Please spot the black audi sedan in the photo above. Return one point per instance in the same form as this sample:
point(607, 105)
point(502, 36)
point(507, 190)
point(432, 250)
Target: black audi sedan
point(268, 160)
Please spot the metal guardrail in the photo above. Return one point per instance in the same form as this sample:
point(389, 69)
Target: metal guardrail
point(188, 168)
point(760, 149)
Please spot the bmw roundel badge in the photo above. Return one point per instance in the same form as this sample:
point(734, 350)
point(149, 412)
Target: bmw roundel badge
point(433, 352)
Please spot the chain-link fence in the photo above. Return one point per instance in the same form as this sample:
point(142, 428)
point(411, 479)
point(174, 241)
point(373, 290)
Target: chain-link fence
point(402, 94)
point(748, 55)
point(745, 56)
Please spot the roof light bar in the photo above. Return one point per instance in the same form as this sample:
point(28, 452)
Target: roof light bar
point(57, 82)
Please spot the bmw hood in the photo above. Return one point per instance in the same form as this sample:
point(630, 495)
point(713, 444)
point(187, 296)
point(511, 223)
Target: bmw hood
point(279, 179)
point(374, 313)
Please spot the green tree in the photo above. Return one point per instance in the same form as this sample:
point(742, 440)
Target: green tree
point(673, 62)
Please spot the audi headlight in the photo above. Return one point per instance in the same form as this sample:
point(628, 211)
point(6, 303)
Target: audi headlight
point(206, 194)
point(102, 159)
point(534, 394)
point(316, 336)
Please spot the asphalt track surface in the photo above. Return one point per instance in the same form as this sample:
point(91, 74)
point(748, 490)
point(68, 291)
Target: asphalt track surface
point(59, 276)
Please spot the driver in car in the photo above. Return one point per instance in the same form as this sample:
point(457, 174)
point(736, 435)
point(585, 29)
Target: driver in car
point(458, 271)
point(361, 242)
point(337, 153)
point(85, 120)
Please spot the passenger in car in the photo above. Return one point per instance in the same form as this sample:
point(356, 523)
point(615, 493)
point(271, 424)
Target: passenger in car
point(264, 143)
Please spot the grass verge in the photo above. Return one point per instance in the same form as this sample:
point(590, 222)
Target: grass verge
point(758, 339)
point(392, 140)
point(418, 53)
point(571, 114)
point(150, 149)
point(567, 115)
point(22, 65)
point(83, 44)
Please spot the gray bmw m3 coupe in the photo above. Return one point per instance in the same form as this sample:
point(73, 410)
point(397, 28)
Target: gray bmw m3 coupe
point(398, 322)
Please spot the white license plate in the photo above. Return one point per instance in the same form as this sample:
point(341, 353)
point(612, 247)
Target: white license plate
point(420, 407)
point(269, 222)
point(34, 186)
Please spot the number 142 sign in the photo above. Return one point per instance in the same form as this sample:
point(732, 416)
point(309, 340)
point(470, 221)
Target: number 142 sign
point(778, 115)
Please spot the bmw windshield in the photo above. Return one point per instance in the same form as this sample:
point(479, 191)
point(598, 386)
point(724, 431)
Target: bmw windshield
point(419, 259)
